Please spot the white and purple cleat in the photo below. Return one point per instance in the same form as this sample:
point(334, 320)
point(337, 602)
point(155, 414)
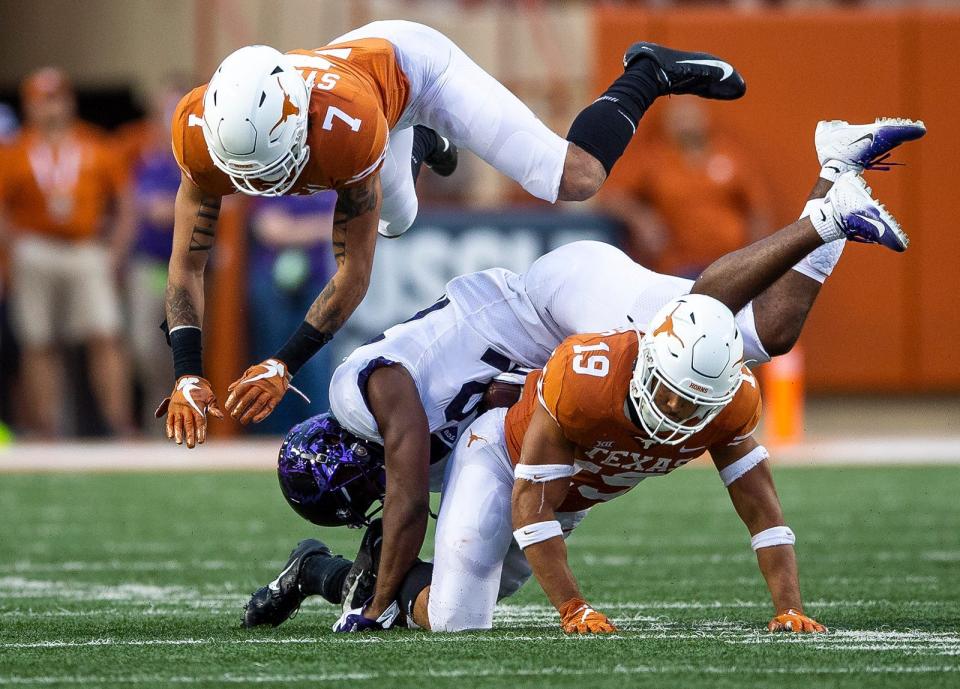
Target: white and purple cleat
point(860, 217)
point(864, 146)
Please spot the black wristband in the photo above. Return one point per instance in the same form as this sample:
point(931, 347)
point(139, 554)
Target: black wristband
point(302, 345)
point(187, 351)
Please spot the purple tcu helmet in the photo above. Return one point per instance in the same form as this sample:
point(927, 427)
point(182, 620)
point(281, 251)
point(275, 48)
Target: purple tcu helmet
point(328, 475)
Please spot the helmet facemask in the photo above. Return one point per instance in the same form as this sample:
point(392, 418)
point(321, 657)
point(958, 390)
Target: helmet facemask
point(669, 427)
point(688, 368)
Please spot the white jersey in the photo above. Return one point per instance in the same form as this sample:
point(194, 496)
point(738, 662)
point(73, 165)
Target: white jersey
point(496, 321)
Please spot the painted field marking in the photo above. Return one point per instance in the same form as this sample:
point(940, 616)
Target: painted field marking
point(230, 678)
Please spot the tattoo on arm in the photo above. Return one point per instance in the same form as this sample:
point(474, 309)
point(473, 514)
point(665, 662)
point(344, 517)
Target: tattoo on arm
point(328, 312)
point(351, 203)
point(201, 239)
point(180, 309)
point(325, 316)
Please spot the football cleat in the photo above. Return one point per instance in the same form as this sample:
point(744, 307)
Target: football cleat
point(279, 600)
point(442, 159)
point(860, 217)
point(864, 146)
point(679, 72)
point(361, 580)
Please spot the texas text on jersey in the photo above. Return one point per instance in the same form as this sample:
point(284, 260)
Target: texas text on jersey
point(357, 94)
point(584, 387)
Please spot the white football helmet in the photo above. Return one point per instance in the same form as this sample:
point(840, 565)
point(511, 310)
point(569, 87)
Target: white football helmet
point(693, 349)
point(255, 120)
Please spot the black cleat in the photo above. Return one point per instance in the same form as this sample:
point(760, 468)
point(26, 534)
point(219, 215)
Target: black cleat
point(679, 71)
point(442, 159)
point(362, 578)
point(279, 600)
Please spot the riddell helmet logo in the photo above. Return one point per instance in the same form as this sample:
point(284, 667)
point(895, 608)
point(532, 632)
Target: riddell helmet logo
point(667, 326)
point(698, 387)
point(289, 109)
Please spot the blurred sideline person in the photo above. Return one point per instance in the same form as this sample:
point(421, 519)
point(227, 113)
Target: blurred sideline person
point(688, 181)
point(155, 179)
point(289, 263)
point(401, 401)
point(61, 182)
point(342, 117)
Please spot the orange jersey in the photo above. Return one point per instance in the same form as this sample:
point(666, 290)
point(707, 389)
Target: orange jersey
point(63, 190)
point(359, 93)
point(584, 387)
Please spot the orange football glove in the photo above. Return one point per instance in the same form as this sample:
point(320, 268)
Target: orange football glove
point(794, 621)
point(577, 617)
point(258, 391)
point(186, 410)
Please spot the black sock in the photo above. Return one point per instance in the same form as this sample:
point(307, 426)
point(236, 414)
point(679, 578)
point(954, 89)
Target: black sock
point(424, 141)
point(604, 128)
point(417, 579)
point(323, 575)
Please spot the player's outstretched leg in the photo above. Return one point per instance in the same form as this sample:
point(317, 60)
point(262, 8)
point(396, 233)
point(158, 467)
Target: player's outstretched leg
point(844, 150)
point(311, 570)
point(601, 132)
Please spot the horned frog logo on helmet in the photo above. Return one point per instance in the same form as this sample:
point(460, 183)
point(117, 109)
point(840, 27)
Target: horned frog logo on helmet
point(688, 368)
point(255, 121)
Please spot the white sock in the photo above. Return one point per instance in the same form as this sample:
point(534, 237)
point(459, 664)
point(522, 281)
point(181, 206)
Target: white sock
point(834, 168)
point(820, 262)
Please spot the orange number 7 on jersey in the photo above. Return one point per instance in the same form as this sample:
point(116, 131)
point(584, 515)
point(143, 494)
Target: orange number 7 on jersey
point(597, 365)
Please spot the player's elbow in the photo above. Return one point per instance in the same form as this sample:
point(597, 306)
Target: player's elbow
point(780, 341)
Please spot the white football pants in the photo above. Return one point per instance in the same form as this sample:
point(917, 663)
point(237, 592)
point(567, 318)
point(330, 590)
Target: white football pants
point(476, 561)
point(452, 95)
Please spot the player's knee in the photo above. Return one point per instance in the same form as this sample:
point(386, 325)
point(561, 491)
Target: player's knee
point(457, 616)
point(780, 341)
point(396, 218)
point(583, 175)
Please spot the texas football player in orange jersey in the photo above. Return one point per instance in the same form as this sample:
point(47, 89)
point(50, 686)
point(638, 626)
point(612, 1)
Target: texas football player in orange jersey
point(608, 411)
point(342, 117)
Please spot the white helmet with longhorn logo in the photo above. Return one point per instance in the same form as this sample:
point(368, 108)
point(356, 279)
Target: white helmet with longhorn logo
point(688, 368)
point(255, 120)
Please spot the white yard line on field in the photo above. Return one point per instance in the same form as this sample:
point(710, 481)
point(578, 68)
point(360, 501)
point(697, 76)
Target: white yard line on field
point(229, 678)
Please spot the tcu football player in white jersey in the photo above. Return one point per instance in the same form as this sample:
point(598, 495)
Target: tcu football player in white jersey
point(407, 395)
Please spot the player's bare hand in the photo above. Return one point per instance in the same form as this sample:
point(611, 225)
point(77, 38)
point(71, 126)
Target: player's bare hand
point(577, 617)
point(186, 410)
point(258, 391)
point(795, 621)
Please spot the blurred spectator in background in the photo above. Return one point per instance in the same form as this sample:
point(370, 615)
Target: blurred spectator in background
point(691, 198)
point(155, 179)
point(290, 261)
point(59, 182)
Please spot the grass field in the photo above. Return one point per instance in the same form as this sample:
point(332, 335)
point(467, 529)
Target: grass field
point(137, 580)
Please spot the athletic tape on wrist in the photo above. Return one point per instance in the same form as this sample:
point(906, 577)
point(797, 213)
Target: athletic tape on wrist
point(731, 473)
point(302, 345)
point(535, 533)
point(775, 535)
point(185, 341)
point(541, 473)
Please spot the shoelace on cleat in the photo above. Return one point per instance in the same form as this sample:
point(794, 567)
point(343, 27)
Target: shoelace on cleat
point(881, 163)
